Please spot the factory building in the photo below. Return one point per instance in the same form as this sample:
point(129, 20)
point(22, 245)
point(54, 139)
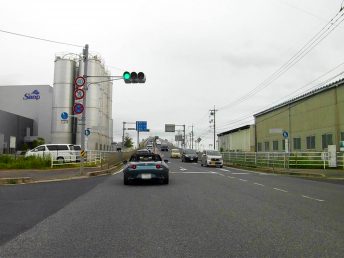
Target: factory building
point(98, 105)
point(312, 121)
point(238, 139)
point(42, 105)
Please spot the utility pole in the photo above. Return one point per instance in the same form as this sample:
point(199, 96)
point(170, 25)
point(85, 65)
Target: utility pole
point(213, 113)
point(83, 117)
point(192, 137)
point(123, 136)
point(184, 136)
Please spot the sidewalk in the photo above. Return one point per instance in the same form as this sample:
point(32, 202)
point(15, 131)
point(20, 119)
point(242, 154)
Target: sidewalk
point(337, 174)
point(15, 176)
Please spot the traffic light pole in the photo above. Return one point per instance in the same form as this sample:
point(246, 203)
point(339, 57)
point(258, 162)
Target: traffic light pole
point(83, 117)
point(213, 113)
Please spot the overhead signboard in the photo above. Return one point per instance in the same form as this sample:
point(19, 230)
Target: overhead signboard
point(170, 128)
point(141, 126)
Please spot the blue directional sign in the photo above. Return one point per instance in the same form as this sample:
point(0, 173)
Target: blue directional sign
point(87, 132)
point(285, 134)
point(141, 126)
point(64, 115)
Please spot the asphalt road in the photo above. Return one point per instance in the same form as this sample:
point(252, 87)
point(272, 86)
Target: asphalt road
point(203, 212)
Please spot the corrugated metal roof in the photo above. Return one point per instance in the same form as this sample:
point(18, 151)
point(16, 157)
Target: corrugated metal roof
point(234, 130)
point(303, 96)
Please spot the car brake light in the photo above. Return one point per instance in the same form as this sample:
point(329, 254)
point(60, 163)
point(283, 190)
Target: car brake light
point(158, 166)
point(133, 166)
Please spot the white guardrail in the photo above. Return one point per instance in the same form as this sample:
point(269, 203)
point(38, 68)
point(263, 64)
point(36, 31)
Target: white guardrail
point(282, 160)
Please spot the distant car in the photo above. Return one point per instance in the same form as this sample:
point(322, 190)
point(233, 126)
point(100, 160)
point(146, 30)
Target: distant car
point(146, 167)
point(143, 151)
point(149, 147)
point(211, 158)
point(189, 155)
point(164, 148)
point(175, 153)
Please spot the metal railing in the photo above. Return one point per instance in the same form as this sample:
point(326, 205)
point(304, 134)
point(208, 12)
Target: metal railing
point(281, 159)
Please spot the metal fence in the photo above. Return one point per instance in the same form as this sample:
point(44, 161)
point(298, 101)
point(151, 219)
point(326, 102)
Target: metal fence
point(281, 159)
point(105, 159)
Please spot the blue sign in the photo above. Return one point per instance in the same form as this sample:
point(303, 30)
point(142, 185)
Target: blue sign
point(64, 115)
point(87, 132)
point(33, 95)
point(141, 126)
point(285, 134)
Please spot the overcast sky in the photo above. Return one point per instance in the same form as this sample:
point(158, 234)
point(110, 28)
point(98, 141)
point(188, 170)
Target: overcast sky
point(195, 54)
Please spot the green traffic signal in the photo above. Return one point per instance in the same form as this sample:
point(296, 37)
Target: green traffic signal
point(126, 76)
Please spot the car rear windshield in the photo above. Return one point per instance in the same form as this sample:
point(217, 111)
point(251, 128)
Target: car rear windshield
point(145, 158)
point(190, 152)
point(214, 153)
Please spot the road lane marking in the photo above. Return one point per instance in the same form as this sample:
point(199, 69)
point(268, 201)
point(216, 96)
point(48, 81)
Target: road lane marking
point(220, 174)
point(258, 184)
point(182, 169)
point(240, 173)
point(232, 177)
point(190, 172)
point(222, 169)
point(307, 197)
point(244, 180)
point(117, 172)
point(278, 189)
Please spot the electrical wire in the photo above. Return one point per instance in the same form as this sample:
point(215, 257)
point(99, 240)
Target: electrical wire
point(37, 38)
point(310, 45)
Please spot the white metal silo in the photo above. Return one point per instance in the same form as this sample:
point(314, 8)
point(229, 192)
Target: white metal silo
point(64, 73)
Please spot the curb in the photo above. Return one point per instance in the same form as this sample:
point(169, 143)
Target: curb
point(29, 180)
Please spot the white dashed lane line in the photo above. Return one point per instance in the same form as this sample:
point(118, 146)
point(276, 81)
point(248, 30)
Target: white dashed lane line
point(307, 197)
point(222, 169)
point(258, 184)
point(231, 177)
point(240, 173)
point(278, 189)
point(244, 180)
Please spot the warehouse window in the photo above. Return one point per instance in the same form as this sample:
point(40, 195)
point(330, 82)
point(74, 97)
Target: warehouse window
point(266, 146)
point(259, 146)
point(275, 145)
point(310, 142)
point(326, 140)
point(297, 143)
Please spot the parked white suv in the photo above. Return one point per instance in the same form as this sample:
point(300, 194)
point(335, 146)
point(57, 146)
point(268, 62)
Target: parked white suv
point(211, 158)
point(60, 152)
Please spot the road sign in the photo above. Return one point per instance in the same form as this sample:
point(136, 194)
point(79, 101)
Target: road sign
point(141, 126)
point(83, 153)
point(285, 134)
point(79, 81)
point(79, 94)
point(78, 108)
point(87, 132)
point(64, 115)
point(171, 128)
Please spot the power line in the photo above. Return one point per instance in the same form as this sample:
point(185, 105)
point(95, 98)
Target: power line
point(311, 44)
point(42, 39)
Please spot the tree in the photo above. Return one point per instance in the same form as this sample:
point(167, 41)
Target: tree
point(37, 142)
point(128, 142)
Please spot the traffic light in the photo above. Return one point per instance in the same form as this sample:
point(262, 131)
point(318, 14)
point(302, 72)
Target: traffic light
point(134, 77)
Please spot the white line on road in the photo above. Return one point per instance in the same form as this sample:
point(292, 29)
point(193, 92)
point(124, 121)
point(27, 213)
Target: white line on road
point(118, 172)
point(258, 184)
point(189, 172)
point(244, 180)
point(232, 177)
point(278, 189)
point(305, 196)
point(182, 169)
point(239, 173)
point(222, 169)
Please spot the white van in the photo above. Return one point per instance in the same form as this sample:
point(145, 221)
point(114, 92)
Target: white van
point(60, 152)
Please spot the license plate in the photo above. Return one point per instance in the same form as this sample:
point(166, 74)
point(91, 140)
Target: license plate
point(146, 176)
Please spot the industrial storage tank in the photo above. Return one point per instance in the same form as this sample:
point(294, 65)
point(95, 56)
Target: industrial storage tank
point(64, 74)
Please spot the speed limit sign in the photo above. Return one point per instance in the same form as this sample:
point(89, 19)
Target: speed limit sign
point(79, 94)
point(79, 81)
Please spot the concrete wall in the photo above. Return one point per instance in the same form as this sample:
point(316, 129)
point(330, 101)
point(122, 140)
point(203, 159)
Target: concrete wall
point(31, 101)
point(319, 114)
